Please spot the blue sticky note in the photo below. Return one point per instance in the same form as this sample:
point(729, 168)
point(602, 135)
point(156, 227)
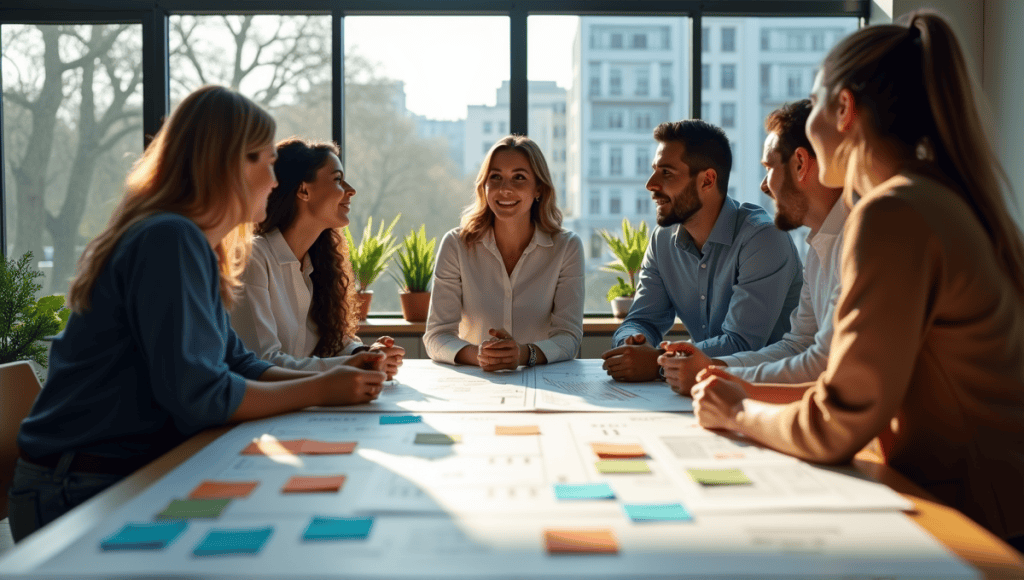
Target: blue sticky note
point(233, 541)
point(144, 536)
point(324, 528)
point(399, 419)
point(584, 491)
point(653, 512)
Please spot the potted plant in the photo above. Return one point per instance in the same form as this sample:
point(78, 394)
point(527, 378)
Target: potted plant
point(629, 253)
point(370, 258)
point(25, 321)
point(416, 262)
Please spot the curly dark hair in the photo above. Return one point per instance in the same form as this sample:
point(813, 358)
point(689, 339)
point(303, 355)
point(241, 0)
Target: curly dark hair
point(334, 309)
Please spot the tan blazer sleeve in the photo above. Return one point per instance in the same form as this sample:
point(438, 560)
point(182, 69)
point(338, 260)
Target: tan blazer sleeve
point(890, 265)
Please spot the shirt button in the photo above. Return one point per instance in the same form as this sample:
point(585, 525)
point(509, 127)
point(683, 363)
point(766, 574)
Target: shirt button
point(703, 325)
point(702, 297)
point(703, 265)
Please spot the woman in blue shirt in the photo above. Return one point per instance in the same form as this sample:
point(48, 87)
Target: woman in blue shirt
point(148, 357)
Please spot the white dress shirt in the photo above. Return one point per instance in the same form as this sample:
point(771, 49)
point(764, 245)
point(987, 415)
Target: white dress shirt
point(802, 353)
point(540, 303)
point(272, 314)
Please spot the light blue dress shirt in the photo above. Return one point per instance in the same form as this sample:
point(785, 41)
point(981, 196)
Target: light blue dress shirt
point(734, 295)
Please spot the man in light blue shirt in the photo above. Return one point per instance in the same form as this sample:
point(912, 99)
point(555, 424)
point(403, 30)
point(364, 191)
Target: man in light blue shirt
point(720, 266)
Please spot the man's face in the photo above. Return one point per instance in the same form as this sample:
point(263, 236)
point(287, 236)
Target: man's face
point(779, 184)
point(672, 189)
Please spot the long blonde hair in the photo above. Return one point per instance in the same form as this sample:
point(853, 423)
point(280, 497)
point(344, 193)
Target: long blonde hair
point(193, 167)
point(911, 84)
point(478, 217)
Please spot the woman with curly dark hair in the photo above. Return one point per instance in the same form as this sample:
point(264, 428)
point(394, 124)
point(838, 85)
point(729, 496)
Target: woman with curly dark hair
point(298, 305)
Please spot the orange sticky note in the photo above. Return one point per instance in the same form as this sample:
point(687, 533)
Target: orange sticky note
point(314, 484)
point(312, 447)
point(618, 450)
point(575, 541)
point(222, 489)
point(271, 446)
point(516, 430)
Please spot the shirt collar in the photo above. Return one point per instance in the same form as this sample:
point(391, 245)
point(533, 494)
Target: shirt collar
point(834, 222)
point(282, 251)
point(724, 230)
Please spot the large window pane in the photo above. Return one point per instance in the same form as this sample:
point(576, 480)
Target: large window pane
point(425, 98)
point(72, 129)
point(615, 93)
point(281, 62)
point(770, 61)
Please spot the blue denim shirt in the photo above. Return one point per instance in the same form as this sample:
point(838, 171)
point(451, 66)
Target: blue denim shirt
point(733, 296)
point(152, 361)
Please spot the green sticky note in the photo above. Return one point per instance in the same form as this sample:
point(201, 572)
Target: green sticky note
point(184, 509)
point(622, 466)
point(437, 439)
point(719, 476)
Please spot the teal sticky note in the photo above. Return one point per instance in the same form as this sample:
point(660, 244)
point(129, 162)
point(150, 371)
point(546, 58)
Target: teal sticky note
point(584, 491)
point(144, 536)
point(233, 541)
point(324, 528)
point(399, 419)
point(660, 512)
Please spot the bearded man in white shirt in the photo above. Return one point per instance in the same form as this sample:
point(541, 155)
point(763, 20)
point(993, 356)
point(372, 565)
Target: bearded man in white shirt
point(800, 200)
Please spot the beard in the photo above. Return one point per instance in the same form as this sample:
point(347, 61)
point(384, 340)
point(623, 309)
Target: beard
point(789, 215)
point(682, 207)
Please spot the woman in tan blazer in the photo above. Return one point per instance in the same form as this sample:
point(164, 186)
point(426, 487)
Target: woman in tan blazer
point(928, 350)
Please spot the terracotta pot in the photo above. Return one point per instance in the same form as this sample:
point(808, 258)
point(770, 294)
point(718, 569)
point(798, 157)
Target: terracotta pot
point(415, 305)
point(364, 303)
point(621, 306)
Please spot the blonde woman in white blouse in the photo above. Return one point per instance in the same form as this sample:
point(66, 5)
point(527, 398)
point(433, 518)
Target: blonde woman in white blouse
point(508, 283)
point(298, 305)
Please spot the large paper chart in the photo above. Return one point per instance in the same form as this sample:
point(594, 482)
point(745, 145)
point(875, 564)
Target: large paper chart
point(576, 385)
point(487, 495)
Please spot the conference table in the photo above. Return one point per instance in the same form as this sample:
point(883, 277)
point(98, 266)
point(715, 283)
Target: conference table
point(70, 546)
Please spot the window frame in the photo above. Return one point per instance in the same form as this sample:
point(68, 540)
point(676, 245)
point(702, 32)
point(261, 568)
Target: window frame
point(154, 15)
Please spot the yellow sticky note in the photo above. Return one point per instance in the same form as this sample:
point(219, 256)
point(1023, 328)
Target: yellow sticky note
point(516, 430)
point(622, 466)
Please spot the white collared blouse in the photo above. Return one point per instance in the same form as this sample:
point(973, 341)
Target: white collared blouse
point(541, 302)
point(271, 315)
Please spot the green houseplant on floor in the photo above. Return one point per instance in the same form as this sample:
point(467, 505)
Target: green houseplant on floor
point(629, 253)
point(416, 263)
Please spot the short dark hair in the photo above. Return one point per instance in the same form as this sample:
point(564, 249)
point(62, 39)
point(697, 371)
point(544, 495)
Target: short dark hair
point(706, 147)
point(788, 123)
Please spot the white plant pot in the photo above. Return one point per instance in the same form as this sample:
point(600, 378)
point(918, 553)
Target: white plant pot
point(621, 306)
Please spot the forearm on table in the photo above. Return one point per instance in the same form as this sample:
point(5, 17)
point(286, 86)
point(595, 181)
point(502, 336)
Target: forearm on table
point(276, 373)
point(263, 398)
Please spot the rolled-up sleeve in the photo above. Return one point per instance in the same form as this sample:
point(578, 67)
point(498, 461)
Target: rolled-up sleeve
point(175, 308)
point(566, 332)
point(441, 337)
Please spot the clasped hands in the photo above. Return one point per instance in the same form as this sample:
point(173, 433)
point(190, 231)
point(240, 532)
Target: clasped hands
point(382, 356)
point(500, 352)
point(717, 395)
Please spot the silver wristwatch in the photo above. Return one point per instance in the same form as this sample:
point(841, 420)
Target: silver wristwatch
point(532, 361)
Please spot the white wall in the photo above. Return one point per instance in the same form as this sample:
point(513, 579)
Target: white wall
point(1003, 83)
point(990, 33)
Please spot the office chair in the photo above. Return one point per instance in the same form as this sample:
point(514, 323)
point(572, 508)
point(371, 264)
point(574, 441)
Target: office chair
point(19, 388)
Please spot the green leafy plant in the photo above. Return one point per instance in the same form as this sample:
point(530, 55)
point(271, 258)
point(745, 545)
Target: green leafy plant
point(416, 261)
point(370, 257)
point(24, 321)
point(629, 252)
